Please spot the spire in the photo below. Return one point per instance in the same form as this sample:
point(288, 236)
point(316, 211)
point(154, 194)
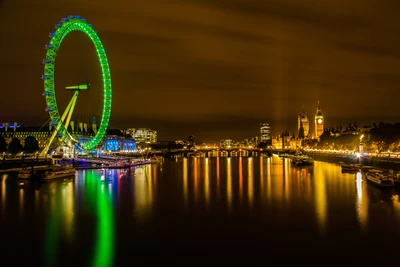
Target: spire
point(319, 107)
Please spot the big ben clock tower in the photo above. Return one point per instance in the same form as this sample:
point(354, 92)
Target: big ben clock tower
point(319, 122)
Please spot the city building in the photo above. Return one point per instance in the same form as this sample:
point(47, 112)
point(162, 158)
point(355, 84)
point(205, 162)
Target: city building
point(319, 122)
point(143, 135)
point(265, 130)
point(9, 131)
point(114, 140)
point(302, 121)
point(118, 140)
point(286, 141)
point(226, 144)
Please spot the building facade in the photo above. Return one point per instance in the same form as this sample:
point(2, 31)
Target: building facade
point(226, 144)
point(114, 140)
point(265, 131)
point(302, 121)
point(41, 134)
point(143, 135)
point(319, 122)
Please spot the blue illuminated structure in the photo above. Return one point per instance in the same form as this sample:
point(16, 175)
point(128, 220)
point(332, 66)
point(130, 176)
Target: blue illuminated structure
point(128, 145)
point(111, 145)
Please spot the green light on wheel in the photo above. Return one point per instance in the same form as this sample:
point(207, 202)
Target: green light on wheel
point(67, 25)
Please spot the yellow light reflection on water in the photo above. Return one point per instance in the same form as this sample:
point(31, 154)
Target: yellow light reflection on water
point(68, 198)
point(359, 186)
point(320, 199)
point(218, 176)
point(143, 192)
point(362, 202)
point(250, 181)
point(207, 182)
point(150, 184)
point(195, 179)
point(185, 182)
point(229, 183)
point(269, 182)
point(286, 182)
point(261, 174)
point(240, 180)
point(3, 193)
point(154, 178)
point(21, 203)
point(396, 206)
point(278, 182)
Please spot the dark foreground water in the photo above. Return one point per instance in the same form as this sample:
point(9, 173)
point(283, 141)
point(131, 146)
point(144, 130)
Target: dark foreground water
point(200, 211)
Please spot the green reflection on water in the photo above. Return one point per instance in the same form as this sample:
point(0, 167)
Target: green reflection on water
point(52, 231)
point(104, 250)
point(98, 198)
point(51, 238)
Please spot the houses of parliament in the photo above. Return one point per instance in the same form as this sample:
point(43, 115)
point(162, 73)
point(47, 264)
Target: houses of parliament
point(303, 124)
point(304, 130)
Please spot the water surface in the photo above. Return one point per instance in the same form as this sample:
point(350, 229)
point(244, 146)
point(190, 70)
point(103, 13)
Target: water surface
point(199, 210)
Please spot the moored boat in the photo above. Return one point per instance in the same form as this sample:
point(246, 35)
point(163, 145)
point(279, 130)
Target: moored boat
point(25, 173)
point(58, 172)
point(379, 179)
point(31, 172)
point(302, 161)
point(350, 167)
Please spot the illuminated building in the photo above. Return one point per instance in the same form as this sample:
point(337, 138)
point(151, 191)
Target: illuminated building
point(302, 120)
point(319, 122)
point(42, 134)
point(226, 144)
point(286, 141)
point(114, 140)
point(117, 140)
point(143, 135)
point(265, 130)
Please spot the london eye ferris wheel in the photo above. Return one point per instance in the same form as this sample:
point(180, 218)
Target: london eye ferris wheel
point(61, 122)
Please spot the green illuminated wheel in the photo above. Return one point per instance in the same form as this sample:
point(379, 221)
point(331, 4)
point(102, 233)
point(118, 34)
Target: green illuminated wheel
point(67, 25)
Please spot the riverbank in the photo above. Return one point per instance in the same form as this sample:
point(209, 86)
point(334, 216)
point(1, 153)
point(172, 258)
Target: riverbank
point(116, 166)
point(377, 162)
point(14, 163)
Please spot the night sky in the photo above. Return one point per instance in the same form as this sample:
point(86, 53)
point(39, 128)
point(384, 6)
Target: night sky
point(211, 68)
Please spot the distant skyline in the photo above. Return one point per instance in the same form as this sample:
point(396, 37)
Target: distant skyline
point(215, 69)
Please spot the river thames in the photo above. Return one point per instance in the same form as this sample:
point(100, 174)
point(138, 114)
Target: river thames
point(200, 211)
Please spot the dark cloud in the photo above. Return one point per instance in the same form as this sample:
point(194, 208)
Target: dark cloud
point(215, 69)
point(311, 12)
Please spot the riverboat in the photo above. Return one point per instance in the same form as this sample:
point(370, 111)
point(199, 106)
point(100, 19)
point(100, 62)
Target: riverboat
point(31, 172)
point(350, 167)
point(302, 161)
point(379, 179)
point(58, 172)
point(25, 173)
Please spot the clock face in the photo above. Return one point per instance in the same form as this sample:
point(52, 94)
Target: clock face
point(319, 121)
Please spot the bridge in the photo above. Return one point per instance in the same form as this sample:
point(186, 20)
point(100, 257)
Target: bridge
point(210, 152)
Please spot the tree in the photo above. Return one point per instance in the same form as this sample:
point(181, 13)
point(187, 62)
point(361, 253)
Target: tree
point(301, 131)
point(31, 145)
point(15, 146)
point(3, 144)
